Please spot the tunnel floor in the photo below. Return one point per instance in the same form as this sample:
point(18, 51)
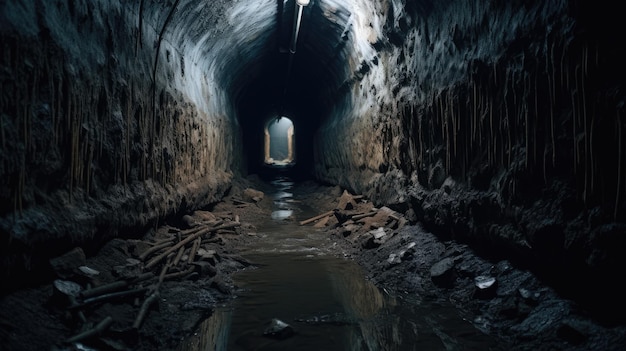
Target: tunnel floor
point(279, 264)
point(302, 278)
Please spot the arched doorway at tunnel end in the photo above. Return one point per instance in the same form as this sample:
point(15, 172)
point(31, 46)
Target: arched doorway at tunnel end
point(279, 142)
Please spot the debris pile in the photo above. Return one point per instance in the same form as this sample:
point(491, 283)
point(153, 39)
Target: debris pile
point(134, 276)
point(359, 221)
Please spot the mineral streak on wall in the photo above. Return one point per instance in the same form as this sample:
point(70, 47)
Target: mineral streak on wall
point(111, 120)
point(460, 85)
point(520, 104)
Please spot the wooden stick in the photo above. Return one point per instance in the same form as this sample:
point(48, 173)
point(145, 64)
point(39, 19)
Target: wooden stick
point(361, 216)
point(97, 330)
point(179, 274)
point(178, 256)
point(103, 289)
point(194, 249)
point(142, 277)
point(187, 240)
point(144, 309)
point(155, 248)
point(313, 219)
point(240, 202)
point(183, 242)
point(164, 240)
point(162, 275)
point(105, 297)
point(192, 230)
point(116, 285)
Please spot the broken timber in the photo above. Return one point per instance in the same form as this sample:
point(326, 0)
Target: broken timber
point(313, 219)
point(97, 330)
point(144, 309)
point(187, 240)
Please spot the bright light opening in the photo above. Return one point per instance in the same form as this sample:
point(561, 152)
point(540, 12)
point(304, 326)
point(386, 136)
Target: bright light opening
point(279, 142)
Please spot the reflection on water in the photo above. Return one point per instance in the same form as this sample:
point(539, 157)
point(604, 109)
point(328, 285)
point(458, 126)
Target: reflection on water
point(281, 214)
point(327, 301)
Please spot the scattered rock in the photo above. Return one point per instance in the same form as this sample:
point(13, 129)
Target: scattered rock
point(87, 271)
point(278, 329)
point(86, 275)
point(205, 215)
point(485, 287)
point(442, 272)
point(374, 238)
point(66, 265)
point(531, 297)
point(209, 256)
point(348, 229)
point(410, 249)
point(253, 195)
point(393, 260)
point(189, 221)
point(64, 292)
point(132, 269)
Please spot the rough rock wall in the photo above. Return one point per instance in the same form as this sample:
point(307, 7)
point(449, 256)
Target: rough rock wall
point(497, 123)
point(107, 126)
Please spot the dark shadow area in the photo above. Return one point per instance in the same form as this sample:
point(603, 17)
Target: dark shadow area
point(306, 85)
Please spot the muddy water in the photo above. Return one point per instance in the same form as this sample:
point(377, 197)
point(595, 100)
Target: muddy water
point(325, 299)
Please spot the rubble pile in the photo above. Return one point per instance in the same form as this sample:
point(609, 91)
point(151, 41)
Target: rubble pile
point(135, 274)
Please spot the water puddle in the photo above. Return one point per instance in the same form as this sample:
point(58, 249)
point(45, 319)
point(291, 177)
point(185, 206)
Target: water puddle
point(326, 301)
point(281, 214)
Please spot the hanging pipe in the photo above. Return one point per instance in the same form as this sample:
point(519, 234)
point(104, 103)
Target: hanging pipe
point(297, 20)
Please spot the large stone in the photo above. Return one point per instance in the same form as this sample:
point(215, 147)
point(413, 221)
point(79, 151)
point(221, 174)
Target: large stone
point(442, 272)
point(209, 256)
point(132, 269)
point(253, 195)
point(485, 287)
point(374, 238)
point(189, 221)
point(64, 292)
point(204, 215)
point(278, 329)
point(66, 265)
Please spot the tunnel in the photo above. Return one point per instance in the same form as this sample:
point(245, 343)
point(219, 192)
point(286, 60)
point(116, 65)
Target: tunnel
point(496, 125)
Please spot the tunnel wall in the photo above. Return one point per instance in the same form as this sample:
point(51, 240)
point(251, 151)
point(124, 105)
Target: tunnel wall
point(499, 124)
point(109, 125)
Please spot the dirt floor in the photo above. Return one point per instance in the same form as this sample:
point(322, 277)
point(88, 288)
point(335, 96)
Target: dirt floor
point(152, 293)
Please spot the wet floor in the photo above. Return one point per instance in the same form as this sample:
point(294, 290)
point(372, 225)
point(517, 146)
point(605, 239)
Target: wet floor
point(325, 299)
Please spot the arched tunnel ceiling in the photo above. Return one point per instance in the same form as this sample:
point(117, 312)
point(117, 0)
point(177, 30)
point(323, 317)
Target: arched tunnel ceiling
point(243, 46)
point(261, 77)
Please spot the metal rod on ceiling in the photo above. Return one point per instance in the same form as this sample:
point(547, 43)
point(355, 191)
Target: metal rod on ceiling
point(297, 20)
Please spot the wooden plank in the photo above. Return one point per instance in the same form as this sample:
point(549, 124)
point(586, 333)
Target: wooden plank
point(313, 219)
